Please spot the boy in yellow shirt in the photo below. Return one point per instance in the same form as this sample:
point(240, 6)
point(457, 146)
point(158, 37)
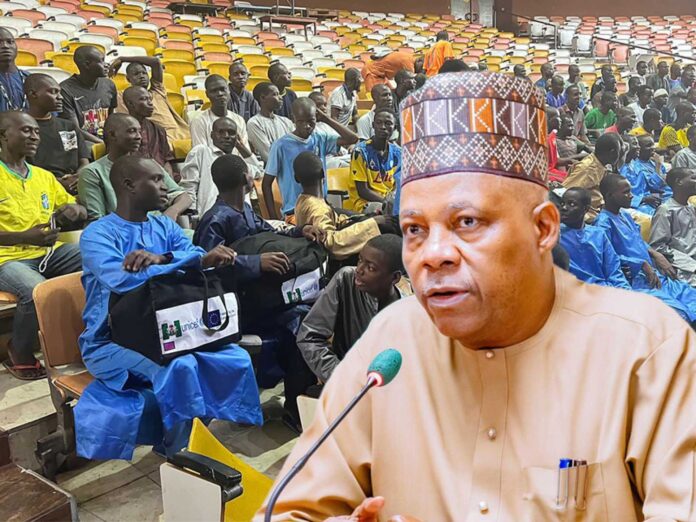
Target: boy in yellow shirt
point(33, 207)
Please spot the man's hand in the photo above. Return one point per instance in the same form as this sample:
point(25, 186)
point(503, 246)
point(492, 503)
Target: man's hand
point(314, 234)
point(243, 150)
point(368, 511)
point(69, 182)
point(275, 262)
point(650, 274)
point(114, 67)
point(40, 235)
point(653, 200)
point(321, 116)
point(70, 214)
point(218, 257)
point(140, 259)
point(387, 224)
point(663, 264)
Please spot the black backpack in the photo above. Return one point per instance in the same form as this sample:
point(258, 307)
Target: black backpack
point(306, 277)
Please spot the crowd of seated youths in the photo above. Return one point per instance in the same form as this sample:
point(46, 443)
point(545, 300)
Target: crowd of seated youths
point(624, 194)
point(608, 174)
point(83, 156)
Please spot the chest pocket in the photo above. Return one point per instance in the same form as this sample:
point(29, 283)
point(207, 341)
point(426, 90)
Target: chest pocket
point(540, 490)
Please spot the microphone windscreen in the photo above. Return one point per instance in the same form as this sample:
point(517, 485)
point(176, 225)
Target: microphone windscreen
point(387, 364)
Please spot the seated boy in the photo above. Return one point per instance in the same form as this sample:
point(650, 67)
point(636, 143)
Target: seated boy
point(673, 231)
point(284, 151)
point(375, 164)
point(29, 248)
point(121, 252)
point(344, 235)
point(349, 302)
point(231, 219)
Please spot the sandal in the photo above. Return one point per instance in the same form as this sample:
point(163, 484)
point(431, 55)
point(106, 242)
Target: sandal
point(25, 372)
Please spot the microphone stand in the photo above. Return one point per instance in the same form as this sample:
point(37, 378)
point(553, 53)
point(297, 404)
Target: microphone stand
point(372, 381)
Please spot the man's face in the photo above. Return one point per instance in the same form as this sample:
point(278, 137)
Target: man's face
point(573, 97)
point(372, 274)
point(224, 135)
point(675, 70)
point(553, 120)
point(647, 148)
point(238, 76)
point(642, 68)
point(354, 82)
point(689, 75)
point(407, 83)
point(471, 250)
point(621, 195)
point(627, 120)
point(127, 137)
point(22, 135)
point(48, 96)
point(633, 85)
point(95, 65)
point(645, 97)
point(282, 78)
point(305, 122)
point(610, 84)
point(519, 71)
point(320, 101)
point(557, 85)
point(8, 46)
point(150, 191)
point(218, 93)
point(612, 103)
point(573, 208)
point(547, 70)
point(384, 99)
point(383, 125)
point(140, 104)
point(136, 74)
point(273, 100)
point(573, 71)
point(689, 116)
point(566, 128)
point(661, 101)
point(606, 73)
point(663, 68)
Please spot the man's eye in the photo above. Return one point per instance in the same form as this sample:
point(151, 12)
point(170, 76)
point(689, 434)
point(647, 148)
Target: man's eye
point(468, 222)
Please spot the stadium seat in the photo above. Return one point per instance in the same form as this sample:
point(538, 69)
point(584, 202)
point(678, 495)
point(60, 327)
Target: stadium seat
point(178, 69)
point(26, 58)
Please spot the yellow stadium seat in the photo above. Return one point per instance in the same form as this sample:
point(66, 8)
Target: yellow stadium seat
point(179, 69)
point(280, 51)
point(194, 95)
point(241, 40)
point(210, 38)
point(96, 9)
point(127, 18)
point(150, 46)
point(170, 84)
point(213, 47)
point(176, 35)
point(300, 84)
point(69, 47)
point(193, 24)
point(63, 61)
point(517, 60)
point(260, 71)
point(256, 485)
point(121, 81)
point(221, 68)
point(142, 33)
point(26, 58)
point(253, 81)
point(356, 49)
point(177, 101)
point(336, 73)
point(175, 54)
point(254, 59)
point(98, 150)
point(181, 148)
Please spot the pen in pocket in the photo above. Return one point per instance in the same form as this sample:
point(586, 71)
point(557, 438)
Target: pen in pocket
point(564, 466)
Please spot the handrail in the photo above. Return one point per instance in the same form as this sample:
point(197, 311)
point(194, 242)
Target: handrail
point(610, 40)
point(531, 19)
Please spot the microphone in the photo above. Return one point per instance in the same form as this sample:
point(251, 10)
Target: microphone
point(381, 372)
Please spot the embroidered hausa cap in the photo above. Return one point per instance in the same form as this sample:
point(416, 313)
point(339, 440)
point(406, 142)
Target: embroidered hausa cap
point(475, 122)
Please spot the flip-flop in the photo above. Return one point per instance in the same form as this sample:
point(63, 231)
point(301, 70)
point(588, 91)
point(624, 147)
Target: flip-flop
point(17, 369)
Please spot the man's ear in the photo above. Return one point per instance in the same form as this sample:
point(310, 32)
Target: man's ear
point(547, 221)
point(129, 184)
point(396, 277)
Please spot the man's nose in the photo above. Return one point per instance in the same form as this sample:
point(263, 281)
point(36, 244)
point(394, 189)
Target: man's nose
point(438, 249)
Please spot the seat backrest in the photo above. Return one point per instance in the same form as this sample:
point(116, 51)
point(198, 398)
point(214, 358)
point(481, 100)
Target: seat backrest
point(59, 304)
